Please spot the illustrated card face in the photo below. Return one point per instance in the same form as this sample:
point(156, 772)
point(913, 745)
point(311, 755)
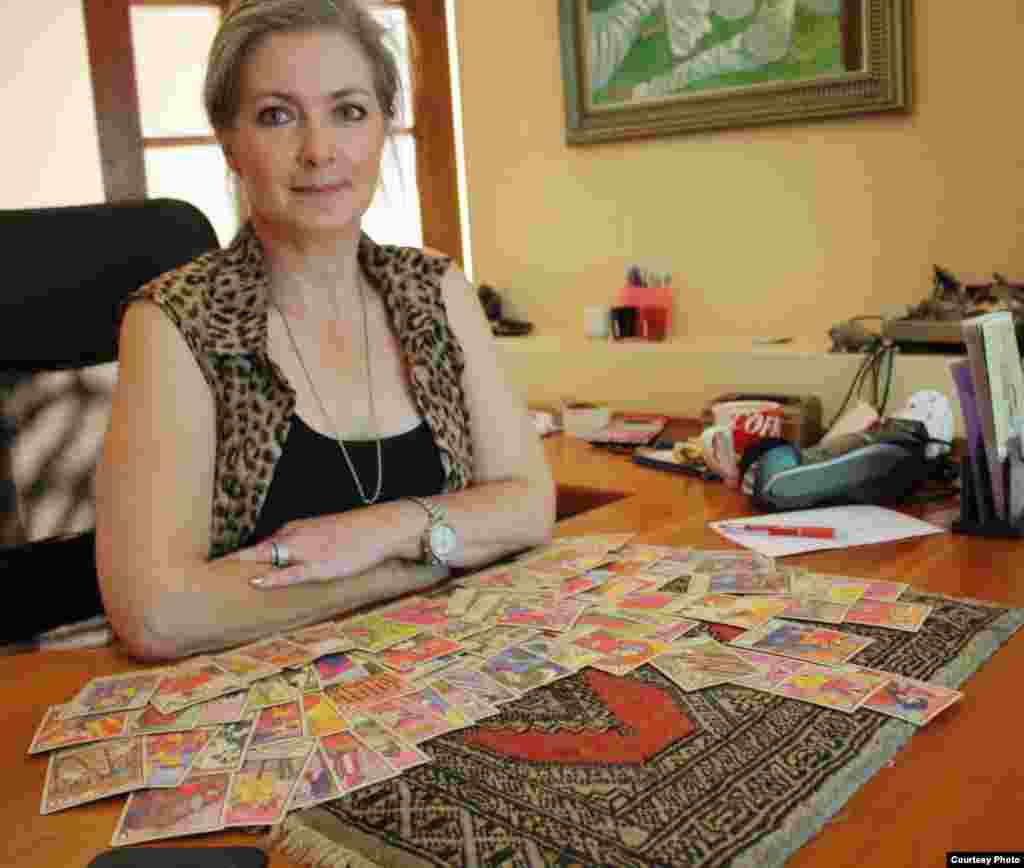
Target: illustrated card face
point(169, 756)
point(484, 604)
point(353, 764)
point(495, 577)
point(430, 699)
point(198, 680)
point(56, 731)
point(459, 601)
point(115, 693)
point(277, 651)
point(399, 753)
point(541, 613)
point(268, 692)
point(224, 709)
point(520, 670)
point(374, 684)
point(886, 592)
point(844, 688)
point(746, 611)
point(95, 771)
point(826, 586)
point(194, 807)
point(404, 656)
point(810, 609)
point(630, 625)
point(750, 582)
point(151, 720)
point(428, 668)
point(245, 669)
point(651, 601)
point(705, 655)
point(678, 669)
point(773, 669)
point(911, 700)
point(321, 717)
point(261, 789)
point(804, 641)
point(897, 616)
point(467, 702)
point(224, 750)
point(304, 680)
point(620, 655)
point(418, 611)
point(374, 632)
point(705, 562)
point(482, 685)
point(335, 668)
point(410, 721)
point(319, 639)
point(277, 724)
point(316, 784)
point(564, 653)
point(457, 629)
point(497, 639)
point(674, 632)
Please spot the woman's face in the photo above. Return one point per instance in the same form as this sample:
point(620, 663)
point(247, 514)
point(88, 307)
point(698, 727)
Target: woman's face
point(309, 135)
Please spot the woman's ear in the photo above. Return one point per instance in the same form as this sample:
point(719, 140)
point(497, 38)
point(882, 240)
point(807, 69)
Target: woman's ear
point(229, 155)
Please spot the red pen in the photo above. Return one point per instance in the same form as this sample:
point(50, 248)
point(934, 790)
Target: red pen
point(782, 530)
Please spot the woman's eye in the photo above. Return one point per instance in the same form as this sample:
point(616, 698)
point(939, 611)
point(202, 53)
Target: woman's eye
point(351, 112)
point(273, 116)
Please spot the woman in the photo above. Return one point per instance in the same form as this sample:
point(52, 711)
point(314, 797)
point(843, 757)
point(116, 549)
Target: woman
point(305, 422)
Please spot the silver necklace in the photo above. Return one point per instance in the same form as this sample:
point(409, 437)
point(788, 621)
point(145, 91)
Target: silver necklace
point(323, 409)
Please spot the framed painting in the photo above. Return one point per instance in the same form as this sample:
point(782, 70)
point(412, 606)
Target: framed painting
point(634, 68)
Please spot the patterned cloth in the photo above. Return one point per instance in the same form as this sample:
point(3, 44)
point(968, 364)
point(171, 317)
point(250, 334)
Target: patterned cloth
point(607, 772)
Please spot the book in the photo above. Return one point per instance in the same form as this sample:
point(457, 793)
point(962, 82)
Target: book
point(977, 488)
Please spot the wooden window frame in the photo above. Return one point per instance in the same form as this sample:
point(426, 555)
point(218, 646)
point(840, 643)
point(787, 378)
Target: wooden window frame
point(119, 124)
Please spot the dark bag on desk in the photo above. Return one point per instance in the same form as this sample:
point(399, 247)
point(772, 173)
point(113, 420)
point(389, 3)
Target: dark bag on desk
point(880, 466)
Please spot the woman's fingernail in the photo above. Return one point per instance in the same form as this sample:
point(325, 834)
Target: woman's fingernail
point(261, 582)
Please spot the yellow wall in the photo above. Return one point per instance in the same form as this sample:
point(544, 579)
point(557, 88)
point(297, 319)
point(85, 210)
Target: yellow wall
point(771, 230)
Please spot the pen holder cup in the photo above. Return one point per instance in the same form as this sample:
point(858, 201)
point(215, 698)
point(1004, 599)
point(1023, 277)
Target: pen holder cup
point(624, 322)
point(974, 504)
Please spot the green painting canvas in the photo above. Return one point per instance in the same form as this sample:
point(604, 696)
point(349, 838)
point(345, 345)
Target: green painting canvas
point(641, 50)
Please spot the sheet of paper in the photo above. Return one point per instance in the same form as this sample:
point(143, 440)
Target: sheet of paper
point(857, 525)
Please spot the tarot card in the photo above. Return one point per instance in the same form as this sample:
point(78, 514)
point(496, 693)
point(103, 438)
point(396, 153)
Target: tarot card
point(910, 699)
point(803, 641)
point(521, 670)
point(508, 576)
point(333, 668)
point(749, 582)
point(224, 750)
point(428, 668)
point(95, 771)
point(614, 589)
point(277, 723)
point(430, 699)
point(484, 605)
point(169, 755)
point(319, 639)
point(773, 669)
point(558, 565)
point(897, 616)
point(417, 611)
point(268, 692)
point(457, 629)
point(649, 554)
point(190, 809)
point(583, 583)
point(673, 632)
point(497, 639)
point(837, 589)
point(745, 611)
point(844, 688)
point(886, 592)
point(150, 720)
point(245, 669)
point(197, 680)
point(633, 623)
point(482, 685)
point(223, 709)
point(320, 716)
point(701, 662)
point(411, 721)
point(304, 680)
point(260, 791)
point(353, 764)
point(278, 652)
point(371, 684)
point(651, 601)
point(668, 569)
point(810, 609)
point(710, 562)
point(316, 784)
point(405, 655)
point(473, 706)
point(609, 542)
point(562, 652)
point(56, 731)
point(115, 693)
point(374, 632)
point(541, 613)
point(620, 655)
point(400, 754)
point(458, 602)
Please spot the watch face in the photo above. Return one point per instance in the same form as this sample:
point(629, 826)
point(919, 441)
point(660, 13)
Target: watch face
point(442, 540)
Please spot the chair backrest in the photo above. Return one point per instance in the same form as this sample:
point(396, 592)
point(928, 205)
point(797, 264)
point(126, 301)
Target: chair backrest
point(74, 266)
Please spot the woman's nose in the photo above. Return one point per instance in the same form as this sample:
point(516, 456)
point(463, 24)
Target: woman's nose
point(319, 146)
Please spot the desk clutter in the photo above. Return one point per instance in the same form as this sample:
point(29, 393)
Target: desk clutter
point(244, 737)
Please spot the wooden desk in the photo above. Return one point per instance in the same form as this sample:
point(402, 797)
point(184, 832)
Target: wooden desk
point(957, 785)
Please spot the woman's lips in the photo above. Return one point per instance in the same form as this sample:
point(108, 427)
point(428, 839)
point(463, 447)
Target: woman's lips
point(321, 188)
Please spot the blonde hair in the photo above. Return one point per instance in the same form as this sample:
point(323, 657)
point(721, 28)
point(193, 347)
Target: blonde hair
point(248, 22)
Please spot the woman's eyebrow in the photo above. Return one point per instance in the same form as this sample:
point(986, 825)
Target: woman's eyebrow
point(333, 96)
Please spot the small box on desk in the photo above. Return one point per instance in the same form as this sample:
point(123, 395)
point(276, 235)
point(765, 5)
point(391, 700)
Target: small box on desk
point(801, 419)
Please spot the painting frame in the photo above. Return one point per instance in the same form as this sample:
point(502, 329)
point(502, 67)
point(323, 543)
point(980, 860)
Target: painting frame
point(882, 83)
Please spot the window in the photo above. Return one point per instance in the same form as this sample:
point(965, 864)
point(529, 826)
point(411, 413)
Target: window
point(147, 59)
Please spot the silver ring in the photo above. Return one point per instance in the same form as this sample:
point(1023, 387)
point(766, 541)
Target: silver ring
point(280, 556)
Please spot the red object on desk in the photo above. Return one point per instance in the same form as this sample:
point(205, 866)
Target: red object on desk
point(782, 530)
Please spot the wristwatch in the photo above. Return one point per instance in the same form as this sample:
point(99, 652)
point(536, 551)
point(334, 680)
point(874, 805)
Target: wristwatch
point(439, 539)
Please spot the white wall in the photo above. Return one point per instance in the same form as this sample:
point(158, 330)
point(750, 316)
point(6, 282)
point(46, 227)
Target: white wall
point(50, 148)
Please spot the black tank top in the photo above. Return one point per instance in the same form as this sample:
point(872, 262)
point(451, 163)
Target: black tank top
point(313, 479)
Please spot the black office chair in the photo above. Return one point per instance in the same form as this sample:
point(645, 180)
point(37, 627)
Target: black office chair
point(69, 270)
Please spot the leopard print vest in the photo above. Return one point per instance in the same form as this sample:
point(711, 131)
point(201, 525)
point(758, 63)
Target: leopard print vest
point(219, 304)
